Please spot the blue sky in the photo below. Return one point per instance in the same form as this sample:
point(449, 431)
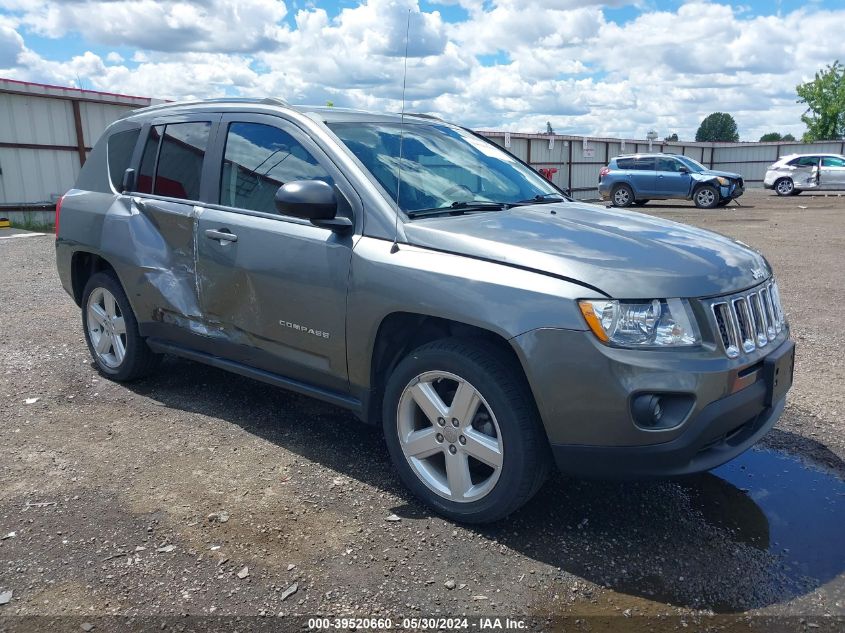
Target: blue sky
point(615, 67)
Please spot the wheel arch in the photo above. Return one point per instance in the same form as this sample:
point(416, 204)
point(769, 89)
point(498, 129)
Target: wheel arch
point(83, 266)
point(402, 332)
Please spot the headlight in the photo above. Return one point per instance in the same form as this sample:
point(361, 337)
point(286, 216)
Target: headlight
point(723, 181)
point(656, 323)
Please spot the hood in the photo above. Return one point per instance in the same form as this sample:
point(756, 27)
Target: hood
point(716, 172)
point(626, 255)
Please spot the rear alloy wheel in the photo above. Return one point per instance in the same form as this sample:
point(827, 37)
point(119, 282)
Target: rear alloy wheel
point(111, 331)
point(785, 187)
point(623, 196)
point(706, 197)
point(463, 432)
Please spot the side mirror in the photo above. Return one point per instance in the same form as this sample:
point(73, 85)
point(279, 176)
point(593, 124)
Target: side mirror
point(127, 183)
point(312, 200)
point(684, 170)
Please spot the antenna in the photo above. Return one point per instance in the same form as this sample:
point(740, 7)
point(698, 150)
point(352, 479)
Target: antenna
point(395, 246)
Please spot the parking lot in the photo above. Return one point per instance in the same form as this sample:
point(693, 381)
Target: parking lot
point(200, 492)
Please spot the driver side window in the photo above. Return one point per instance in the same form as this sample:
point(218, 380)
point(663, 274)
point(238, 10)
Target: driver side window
point(258, 160)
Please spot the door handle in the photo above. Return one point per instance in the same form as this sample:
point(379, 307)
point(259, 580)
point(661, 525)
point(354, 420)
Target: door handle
point(223, 235)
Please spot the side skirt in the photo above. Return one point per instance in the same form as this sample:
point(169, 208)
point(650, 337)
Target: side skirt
point(333, 397)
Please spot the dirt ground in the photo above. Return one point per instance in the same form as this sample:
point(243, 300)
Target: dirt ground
point(198, 492)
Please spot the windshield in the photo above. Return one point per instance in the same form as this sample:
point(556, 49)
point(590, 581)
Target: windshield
point(692, 164)
point(441, 166)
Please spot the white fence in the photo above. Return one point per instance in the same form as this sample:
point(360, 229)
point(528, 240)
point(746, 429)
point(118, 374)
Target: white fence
point(577, 160)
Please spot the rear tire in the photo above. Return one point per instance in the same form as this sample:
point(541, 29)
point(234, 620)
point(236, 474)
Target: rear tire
point(706, 197)
point(785, 187)
point(463, 431)
point(622, 196)
point(111, 331)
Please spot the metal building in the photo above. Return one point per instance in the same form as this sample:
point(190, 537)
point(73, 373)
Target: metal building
point(46, 133)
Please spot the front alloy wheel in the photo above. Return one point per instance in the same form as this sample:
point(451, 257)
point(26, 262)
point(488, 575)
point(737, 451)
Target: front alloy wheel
point(706, 197)
point(463, 431)
point(455, 449)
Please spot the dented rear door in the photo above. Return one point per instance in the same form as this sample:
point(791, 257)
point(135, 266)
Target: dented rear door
point(168, 188)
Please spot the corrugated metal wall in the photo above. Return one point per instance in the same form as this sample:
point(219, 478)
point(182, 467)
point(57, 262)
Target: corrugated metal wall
point(45, 133)
point(41, 151)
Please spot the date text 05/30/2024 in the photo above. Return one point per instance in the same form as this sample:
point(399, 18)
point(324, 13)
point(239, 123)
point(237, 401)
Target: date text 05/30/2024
point(421, 623)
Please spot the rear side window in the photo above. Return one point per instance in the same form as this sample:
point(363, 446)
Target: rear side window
point(258, 160)
point(644, 164)
point(625, 163)
point(120, 147)
point(805, 161)
point(172, 162)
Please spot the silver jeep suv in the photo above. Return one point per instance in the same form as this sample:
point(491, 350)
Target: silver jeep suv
point(420, 276)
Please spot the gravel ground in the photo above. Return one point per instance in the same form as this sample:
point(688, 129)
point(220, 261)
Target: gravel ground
point(200, 492)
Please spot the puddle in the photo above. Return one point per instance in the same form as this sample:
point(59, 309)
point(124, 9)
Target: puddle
point(803, 509)
point(760, 531)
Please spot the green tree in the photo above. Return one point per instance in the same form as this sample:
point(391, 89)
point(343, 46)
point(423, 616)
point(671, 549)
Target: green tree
point(771, 137)
point(672, 137)
point(719, 126)
point(825, 99)
point(787, 137)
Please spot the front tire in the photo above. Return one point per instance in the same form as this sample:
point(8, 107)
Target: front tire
point(785, 187)
point(111, 331)
point(622, 196)
point(463, 432)
point(706, 197)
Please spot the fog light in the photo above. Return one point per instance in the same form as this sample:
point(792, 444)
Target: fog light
point(660, 411)
point(647, 410)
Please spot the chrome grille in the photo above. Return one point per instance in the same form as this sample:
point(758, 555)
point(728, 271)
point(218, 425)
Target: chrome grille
point(749, 320)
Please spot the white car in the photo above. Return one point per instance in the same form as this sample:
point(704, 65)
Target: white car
point(804, 172)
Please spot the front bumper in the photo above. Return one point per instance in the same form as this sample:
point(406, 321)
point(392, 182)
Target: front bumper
point(720, 432)
point(584, 391)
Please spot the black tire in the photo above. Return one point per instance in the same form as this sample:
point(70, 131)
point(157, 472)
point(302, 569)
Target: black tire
point(785, 187)
point(139, 360)
point(724, 203)
point(705, 197)
point(641, 203)
point(622, 196)
point(526, 457)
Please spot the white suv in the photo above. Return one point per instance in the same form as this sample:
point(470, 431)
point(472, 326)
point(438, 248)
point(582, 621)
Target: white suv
point(801, 172)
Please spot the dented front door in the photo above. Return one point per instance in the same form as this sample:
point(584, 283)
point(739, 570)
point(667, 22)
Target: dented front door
point(274, 294)
point(272, 288)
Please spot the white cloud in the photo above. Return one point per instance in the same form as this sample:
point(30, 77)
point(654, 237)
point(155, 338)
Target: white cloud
point(559, 60)
point(165, 25)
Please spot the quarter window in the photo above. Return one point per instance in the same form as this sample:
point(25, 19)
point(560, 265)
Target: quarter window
point(172, 162)
point(258, 160)
point(644, 164)
point(120, 147)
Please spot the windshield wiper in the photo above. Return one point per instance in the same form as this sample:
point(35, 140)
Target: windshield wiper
point(457, 208)
point(543, 199)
